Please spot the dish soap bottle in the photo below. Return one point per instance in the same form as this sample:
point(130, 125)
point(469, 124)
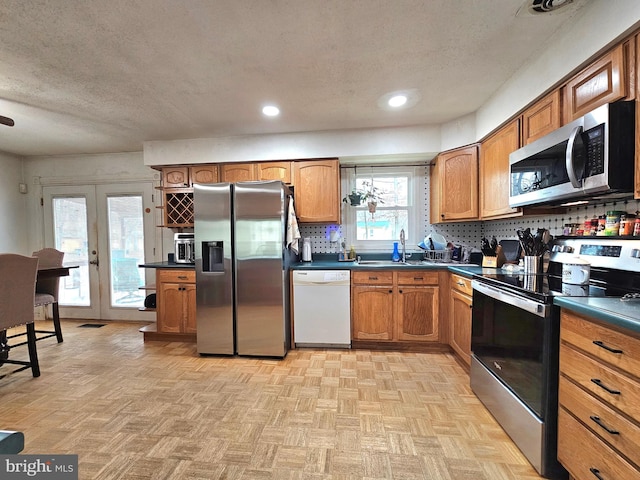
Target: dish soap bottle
point(352, 253)
point(396, 255)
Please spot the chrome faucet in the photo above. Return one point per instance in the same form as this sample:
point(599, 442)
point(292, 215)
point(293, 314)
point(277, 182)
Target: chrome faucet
point(404, 249)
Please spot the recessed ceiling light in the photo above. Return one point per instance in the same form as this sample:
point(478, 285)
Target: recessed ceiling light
point(397, 100)
point(271, 111)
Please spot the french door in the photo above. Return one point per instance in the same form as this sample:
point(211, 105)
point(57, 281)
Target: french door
point(107, 230)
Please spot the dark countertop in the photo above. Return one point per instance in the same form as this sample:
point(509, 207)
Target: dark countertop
point(187, 266)
point(609, 309)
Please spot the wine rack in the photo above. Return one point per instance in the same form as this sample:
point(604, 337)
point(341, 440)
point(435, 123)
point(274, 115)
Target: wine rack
point(178, 207)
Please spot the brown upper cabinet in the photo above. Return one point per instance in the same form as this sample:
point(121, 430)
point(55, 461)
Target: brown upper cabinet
point(274, 171)
point(494, 172)
point(454, 185)
point(637, 85)
point(541, 118)
point(603, 81)
point(237, 172)
point(242, 172)
point(317, 190)
point(181, 177)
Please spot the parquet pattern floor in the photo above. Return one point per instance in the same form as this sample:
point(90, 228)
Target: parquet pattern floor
point(156, 410)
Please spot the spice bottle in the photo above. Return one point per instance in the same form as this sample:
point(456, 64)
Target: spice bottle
point(636, 227)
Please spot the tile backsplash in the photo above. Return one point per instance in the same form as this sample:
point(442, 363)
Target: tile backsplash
point(470, 233)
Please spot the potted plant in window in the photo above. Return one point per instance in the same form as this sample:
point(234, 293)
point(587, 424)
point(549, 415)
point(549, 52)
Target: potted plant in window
point(372, 196)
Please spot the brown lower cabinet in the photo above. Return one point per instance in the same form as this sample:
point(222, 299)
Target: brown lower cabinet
point(599, 397)
point(395, 306)
point(460, 317)
point(176, 301)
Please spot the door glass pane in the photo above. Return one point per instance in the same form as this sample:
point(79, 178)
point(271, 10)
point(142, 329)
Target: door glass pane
point(126, 250)
point(70, 232)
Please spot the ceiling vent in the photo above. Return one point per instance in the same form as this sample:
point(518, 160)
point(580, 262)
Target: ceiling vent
point(542, 7)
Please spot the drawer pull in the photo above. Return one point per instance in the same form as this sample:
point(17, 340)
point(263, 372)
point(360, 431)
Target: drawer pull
point(607, 348)
point(597, 420)
point(418, 278)
point(596, 473)
point(182, 277)
point(373, 278)
point(598, 382)
point(460, 283)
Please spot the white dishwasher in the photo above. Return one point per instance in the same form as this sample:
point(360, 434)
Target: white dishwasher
point(322, 308)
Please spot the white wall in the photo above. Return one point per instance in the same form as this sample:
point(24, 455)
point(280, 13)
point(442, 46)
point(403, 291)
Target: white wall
point(13, 207)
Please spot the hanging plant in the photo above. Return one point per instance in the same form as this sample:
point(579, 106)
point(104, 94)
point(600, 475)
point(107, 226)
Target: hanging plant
point(354, 198)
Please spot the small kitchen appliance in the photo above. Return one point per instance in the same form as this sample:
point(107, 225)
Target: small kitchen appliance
point(516, 334)
point(184, 251)
point(306, 249)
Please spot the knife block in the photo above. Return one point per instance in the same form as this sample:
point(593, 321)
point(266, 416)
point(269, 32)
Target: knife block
point(494, 262)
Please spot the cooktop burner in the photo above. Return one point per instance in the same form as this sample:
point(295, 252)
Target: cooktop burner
point(541, 287)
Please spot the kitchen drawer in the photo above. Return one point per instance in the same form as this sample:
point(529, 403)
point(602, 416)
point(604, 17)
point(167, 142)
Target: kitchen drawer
point(602, 381)
point(372, 277)
point(584, 455)
point(607, 424)
point(175, 276)
point(599, 341)
point(417, 277)
point(461, 284)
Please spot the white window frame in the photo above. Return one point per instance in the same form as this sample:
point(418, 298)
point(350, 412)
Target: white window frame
point(414, 197)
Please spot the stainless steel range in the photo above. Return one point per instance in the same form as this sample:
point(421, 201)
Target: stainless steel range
point(515, 338)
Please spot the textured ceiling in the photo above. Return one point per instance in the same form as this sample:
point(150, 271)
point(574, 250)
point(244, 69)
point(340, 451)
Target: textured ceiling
point(93, 76)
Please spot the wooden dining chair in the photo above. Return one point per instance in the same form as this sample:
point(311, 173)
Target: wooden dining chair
point(47, 290)
point(17, 296)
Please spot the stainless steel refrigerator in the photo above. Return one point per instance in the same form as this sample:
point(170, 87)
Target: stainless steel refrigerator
point(242, 268)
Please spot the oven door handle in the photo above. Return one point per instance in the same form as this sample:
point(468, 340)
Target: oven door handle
point(531, 306)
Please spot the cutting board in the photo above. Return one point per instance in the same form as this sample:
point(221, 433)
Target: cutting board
point(511, 250)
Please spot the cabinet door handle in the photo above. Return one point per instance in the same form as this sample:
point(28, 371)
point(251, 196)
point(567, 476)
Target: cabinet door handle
point(597, 420)
point(399, 291)
point(596, 473)
point(391, 291)
point(601, 344)
point(599, 383)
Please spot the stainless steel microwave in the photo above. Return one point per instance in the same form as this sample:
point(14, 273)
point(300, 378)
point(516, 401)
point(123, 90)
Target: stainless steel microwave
point(591, 158)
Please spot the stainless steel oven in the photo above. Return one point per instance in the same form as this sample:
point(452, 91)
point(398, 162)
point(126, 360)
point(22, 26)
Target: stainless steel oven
point(514, 369)
point(516, 335)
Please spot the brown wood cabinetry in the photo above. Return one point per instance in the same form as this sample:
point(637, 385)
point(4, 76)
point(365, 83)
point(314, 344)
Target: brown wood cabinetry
point(274, 171)
point(177, 190)
point(460, 317)
point(317, 191)
point(541, 118)
point(417, 306)
point(599, 396)
point(603, 81)
point(454, 185)
point(237, 172)
point(494, 172)
point(395, 306)
point(176, 301)
point(243, 172)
